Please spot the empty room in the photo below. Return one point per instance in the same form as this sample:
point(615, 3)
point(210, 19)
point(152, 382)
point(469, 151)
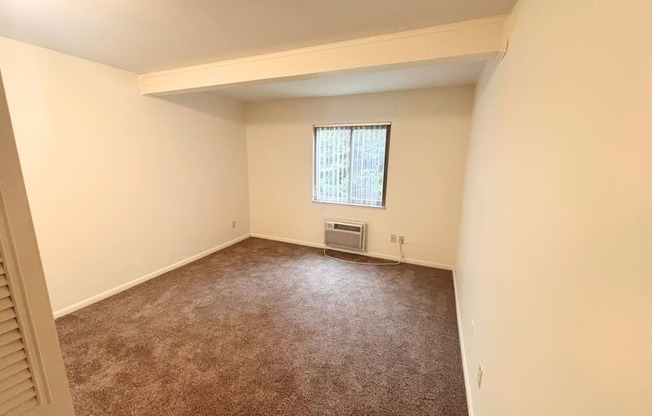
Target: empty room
point(298, 207)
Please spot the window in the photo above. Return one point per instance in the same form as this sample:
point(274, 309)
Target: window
point(350, 164)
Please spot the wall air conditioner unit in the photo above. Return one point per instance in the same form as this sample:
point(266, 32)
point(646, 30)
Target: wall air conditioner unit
point(345, 235)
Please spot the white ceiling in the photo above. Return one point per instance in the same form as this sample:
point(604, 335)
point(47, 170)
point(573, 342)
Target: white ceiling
point(148, 35)
point(359, 82)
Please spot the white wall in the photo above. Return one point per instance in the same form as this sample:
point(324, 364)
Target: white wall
point(120, 185)
point(555, 252)
point(430, 133)
point(23, 270)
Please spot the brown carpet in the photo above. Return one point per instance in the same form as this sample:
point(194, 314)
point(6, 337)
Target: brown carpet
point(268, 328)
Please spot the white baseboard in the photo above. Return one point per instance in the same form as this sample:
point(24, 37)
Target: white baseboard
point(465, 367)
point(369, 253)
point(287, 240)
point(132, 283)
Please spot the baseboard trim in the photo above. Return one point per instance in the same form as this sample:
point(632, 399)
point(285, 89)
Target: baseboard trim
point(465, 367)
point(287, 240)
point(369, 253)
point(132, 283)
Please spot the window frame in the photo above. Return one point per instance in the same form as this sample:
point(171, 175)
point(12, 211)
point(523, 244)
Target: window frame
point(388, 126)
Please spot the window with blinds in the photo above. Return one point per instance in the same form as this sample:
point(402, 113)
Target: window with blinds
point(17, 390)
point(350, 164)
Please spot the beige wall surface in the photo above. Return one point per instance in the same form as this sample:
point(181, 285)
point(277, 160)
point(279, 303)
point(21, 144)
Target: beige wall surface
point(120, 185)
point(24, 273)
point(429, 137)
point(556, 238)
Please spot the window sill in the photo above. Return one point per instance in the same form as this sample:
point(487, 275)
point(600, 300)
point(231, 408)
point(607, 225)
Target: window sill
point(314, 201)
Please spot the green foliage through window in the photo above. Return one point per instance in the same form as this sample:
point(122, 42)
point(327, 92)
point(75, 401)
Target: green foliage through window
point(350, 164)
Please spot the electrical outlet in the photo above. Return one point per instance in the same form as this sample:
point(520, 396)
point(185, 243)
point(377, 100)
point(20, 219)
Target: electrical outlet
point(480, 372)
point(392, 238)
point(233, 224)
point(401, 239)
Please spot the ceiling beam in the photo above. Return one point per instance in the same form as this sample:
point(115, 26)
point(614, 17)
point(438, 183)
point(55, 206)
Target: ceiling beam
point(480, 39)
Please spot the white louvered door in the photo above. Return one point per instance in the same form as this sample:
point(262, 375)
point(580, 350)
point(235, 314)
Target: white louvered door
point(17, 391)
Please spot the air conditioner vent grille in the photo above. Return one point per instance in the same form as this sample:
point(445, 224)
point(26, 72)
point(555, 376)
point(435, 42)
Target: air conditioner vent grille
point(345, 235)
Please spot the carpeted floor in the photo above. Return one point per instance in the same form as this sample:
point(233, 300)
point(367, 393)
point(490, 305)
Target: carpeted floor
point(268, 328)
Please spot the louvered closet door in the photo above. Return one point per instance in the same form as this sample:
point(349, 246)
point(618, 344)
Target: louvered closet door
point(17, 391)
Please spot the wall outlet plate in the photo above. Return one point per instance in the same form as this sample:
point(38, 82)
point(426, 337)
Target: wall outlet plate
point(233, 223)
point(392, 238)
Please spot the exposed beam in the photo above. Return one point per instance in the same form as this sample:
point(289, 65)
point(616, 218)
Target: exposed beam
point(479, 39)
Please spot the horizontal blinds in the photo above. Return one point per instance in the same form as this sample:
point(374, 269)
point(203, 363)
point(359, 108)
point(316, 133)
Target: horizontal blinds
point(17, 391)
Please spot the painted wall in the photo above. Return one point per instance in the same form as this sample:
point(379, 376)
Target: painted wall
point(430, 133)
point(23, 272)
point(556, 238)
point(120, 185)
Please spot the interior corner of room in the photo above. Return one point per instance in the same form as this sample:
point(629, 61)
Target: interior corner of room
point(518, 162)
